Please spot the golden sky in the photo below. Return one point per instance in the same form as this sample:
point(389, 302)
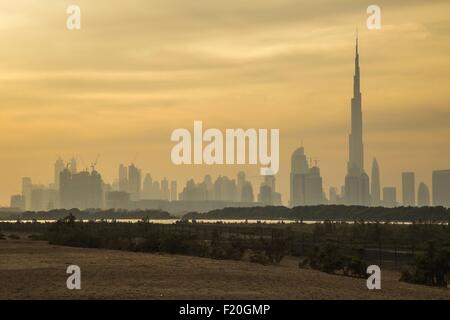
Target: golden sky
point(138, 69)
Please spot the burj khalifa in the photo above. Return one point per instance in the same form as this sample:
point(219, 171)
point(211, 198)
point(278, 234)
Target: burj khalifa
point(356, 181)
point(356, 147)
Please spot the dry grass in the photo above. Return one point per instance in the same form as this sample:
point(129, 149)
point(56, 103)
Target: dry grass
point(36, 270)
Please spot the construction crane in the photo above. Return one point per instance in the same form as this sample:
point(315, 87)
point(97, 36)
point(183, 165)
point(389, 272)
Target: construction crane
point(93, 164)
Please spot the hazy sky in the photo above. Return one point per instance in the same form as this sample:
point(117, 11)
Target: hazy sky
point(138, 69)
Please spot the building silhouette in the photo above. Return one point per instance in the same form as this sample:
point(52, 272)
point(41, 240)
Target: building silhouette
point(18, 202)
point(241, 179)
point(173, 191)
point(156, 191)
point(299, 169)
point(389, 197)
point(332, 195)
point(43, 198)
point(408, 189)
point(357, 187)
point(356, 181)
point(73, 166)
point(194, 191)
point(375, 187)
point(441, 188)
point(209, 187)
point(268, 194)
point(225, 189)
point(117, 200)
point(313, 187)
point(265, 195)
point(247, 195)
point(423, 195)
point(81, 190)
point(27, 187)
point(306, 182)
point(134, 182)
point(147, 187)
point(165, 191)
point(123, 178)
point(58, 167)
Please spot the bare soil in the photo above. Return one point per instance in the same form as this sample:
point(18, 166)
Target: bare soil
point(36, 270)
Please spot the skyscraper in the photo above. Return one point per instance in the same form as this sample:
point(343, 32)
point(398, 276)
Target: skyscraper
point(356, 181)
point(173, 191)
point(134, 182)
point(83, 190)
point(333, 196)
point(408, 189)
point(17, 201)
point(357, 188)
point(58, 168)
point(423, 195)
point(156, 191)
point(194, 191)
point(313, 187)
point(441, 188)
point(390, 197)
point(306, 182)
point(241, 178)
point(225, 189)
point(267, 192)
point(73, 166)
point(209, 187)
point(165, 191)
point(356, 148)
point(299, 168)
point(147, 187)
point(375, 189)
point(265, 195)
point(123, 178)
point(27, 187)
point(247, 193)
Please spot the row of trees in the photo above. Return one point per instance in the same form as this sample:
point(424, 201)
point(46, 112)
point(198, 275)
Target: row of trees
point(329, 212)
point(315, 213)
point(96, 214)
point(147, 237)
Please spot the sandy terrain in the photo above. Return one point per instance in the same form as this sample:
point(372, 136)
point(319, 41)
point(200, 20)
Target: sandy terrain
point(36, 270)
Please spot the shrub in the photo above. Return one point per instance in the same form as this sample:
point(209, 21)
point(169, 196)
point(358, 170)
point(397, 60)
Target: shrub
point(226, 250)
point(260, 257)
point(355, 267)
point(36, 237)
point(432, 268)
point(330, 259)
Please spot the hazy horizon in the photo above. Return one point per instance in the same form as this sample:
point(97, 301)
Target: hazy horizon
point(138, 70)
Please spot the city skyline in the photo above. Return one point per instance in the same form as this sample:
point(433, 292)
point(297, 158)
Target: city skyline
point(86, 189)
point(126, 104)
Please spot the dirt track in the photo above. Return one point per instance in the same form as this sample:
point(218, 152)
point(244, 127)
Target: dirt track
point(36, 270)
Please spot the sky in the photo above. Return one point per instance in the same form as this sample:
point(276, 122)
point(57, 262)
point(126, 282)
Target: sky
point(139, 69)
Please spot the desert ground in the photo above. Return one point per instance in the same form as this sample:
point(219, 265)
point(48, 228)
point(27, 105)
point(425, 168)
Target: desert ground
point(36, 270)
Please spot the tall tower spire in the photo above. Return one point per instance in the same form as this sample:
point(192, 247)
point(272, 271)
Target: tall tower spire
point(356, 149)
point(356, 181)
point(356, 79)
